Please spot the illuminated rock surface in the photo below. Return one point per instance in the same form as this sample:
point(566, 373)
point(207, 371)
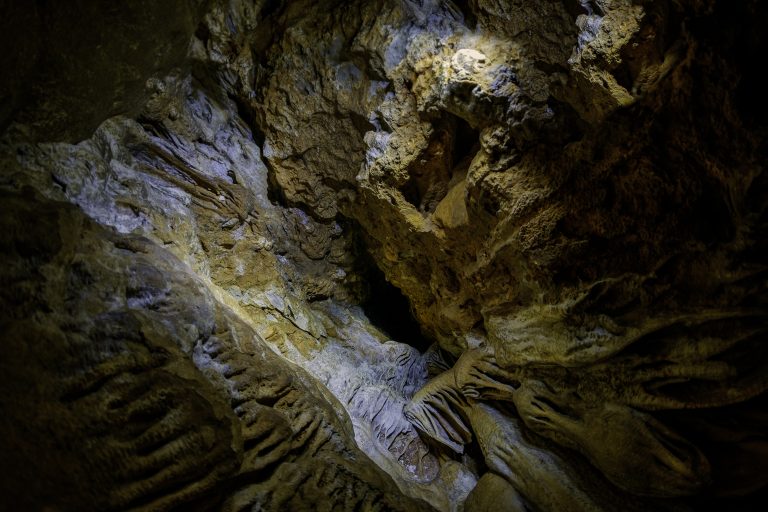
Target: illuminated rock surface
point(383, 255)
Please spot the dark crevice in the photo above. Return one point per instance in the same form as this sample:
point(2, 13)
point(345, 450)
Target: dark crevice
point(576, 8)
point(623, 76)
point(549, 67)
point(361, 123)
point(270, 8)
point(203, 33)
point(466, 143)
point(712, 218)
point(59, 182)
point(275, 193)
point(390, 311)
point(453, 145)
point(154, 127)
point(465, 8)
point(745, 41)
point(246, 113)
point(411, 192)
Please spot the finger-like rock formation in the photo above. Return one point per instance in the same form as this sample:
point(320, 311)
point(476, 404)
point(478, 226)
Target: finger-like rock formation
point(383, 255)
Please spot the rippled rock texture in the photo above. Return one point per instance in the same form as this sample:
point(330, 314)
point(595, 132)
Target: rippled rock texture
point(384, 255)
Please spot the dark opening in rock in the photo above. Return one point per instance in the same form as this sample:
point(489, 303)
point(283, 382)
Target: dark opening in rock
point(389, 310)
point(466, 143)
point(453, 145)
point(465, 7)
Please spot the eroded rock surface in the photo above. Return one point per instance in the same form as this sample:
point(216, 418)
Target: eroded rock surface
point(140, 390)
point(569, 194)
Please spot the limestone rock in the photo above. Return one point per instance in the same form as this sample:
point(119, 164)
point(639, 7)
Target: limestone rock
point(141, 391)
point(234, 228)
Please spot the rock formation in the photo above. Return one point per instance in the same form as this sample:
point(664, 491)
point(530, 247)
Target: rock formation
point(383, 255)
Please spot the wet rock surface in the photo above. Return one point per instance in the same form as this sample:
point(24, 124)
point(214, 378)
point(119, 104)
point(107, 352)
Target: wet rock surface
point(204, 268)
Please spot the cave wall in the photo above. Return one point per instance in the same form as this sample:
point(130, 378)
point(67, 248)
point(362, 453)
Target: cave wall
point(569, 194)
point(138, 390)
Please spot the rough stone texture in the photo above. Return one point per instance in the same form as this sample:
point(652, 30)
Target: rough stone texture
point(194, 183)
point(140, 391)
point(70, 66)
point(570, 195)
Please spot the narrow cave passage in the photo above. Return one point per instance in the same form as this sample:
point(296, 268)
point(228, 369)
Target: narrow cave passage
point(389, 310)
